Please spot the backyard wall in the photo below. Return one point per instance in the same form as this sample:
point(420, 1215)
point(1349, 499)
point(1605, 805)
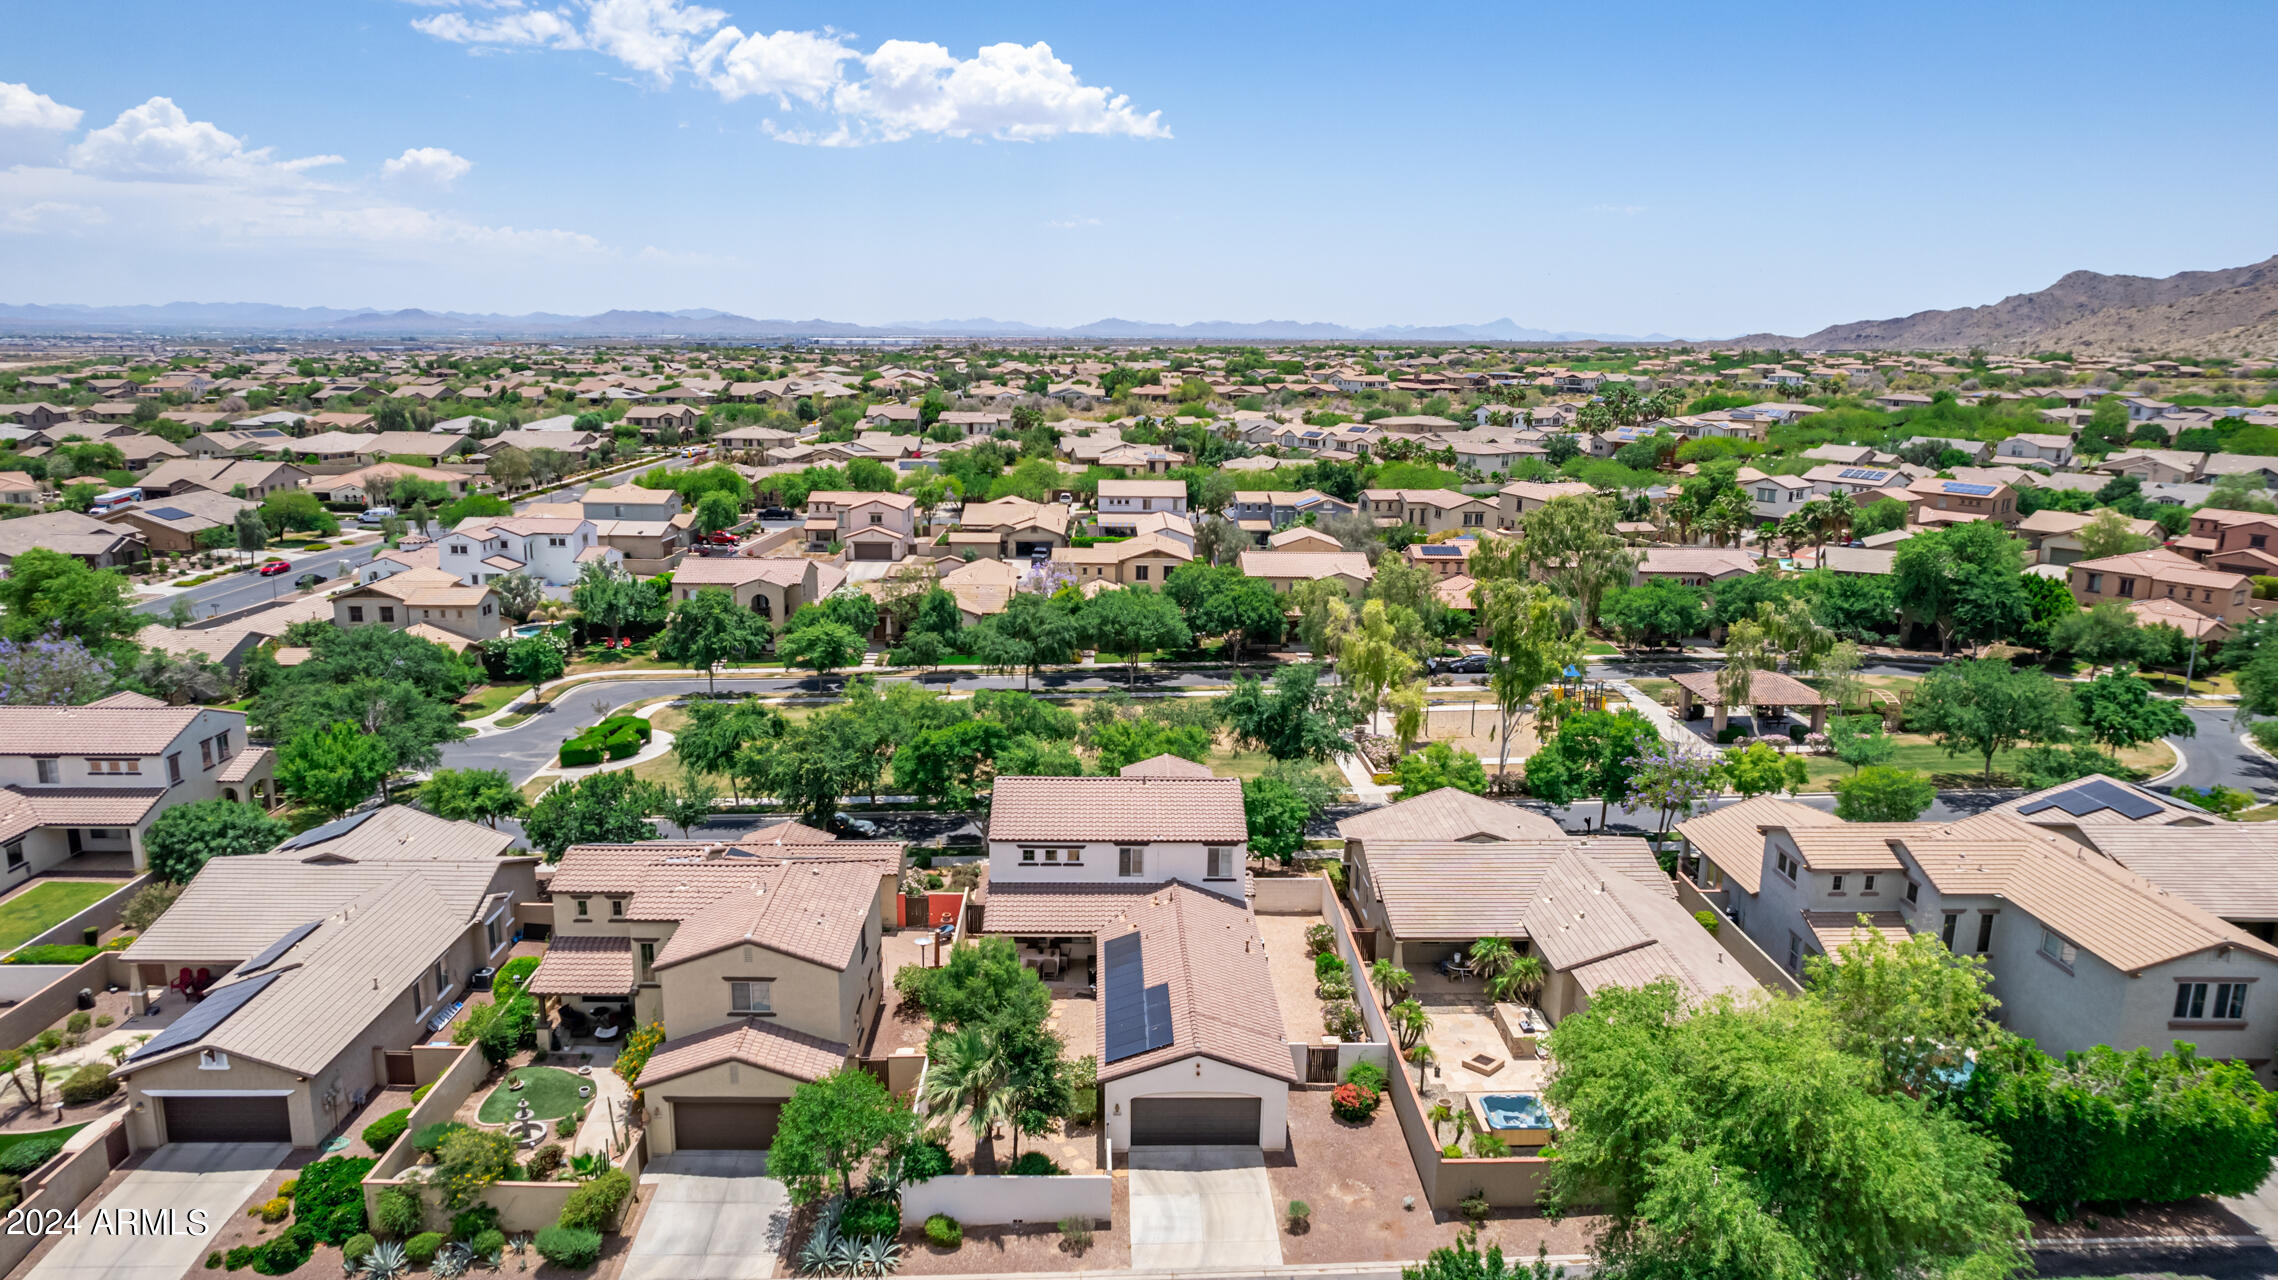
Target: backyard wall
point(1004, 1200)
point(19, 982)
point(99, 915)
point(1736, 941)
point(50, 1004)
point(455, 1085)
point(88, 1157)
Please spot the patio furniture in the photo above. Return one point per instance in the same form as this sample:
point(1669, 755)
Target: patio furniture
point(605, 1033)
point(575, 1022)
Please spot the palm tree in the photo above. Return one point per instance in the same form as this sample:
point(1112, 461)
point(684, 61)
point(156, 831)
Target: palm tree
point(1409, 1022)
point(1524, 979)
point(969, 1076)
point(1390, 979)
point(1492, 956)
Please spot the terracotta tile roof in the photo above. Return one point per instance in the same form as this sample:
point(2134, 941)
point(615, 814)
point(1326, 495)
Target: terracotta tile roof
point(1608, 929)
point(1201, 810)
point(1450, 813)
point(1453, 889)
point(92, 730)
point(1305, 564)
point(736, 571)
point(2230, 871)
point(243, 765)
point(129, 698)
point(585, 965)
point(1834, 929)
point(622, 868)
point(1166, 765)
point(1765, 689)
point(1015, 907)
point(811, 909)
point(1207, 951)
point(754, 1042)
point(26, 809)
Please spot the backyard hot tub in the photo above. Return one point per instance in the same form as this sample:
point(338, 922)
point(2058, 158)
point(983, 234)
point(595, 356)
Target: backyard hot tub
point(1518, 1118)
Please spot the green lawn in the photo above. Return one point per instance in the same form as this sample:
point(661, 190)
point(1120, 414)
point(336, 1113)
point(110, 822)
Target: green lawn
point(47, 904)
point(8, 1140)
point(551, 1091)
point(1957, 772)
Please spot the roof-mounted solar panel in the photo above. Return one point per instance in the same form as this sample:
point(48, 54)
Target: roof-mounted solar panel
point(270, 954)
point(200, 1020)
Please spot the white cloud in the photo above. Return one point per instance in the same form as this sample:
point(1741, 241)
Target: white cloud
point(436, 166)
point(158, 140)
point(20, 108)
point(902, 89)
point(51, 215)
point(801, 65)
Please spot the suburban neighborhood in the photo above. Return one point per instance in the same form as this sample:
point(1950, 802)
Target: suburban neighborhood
point(518, 758)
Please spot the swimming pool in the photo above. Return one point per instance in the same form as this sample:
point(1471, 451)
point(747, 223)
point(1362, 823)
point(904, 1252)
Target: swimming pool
point(1506, 1112)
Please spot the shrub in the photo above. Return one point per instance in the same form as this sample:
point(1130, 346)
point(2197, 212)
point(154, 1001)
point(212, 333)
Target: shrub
point(144, 908)
point(469, 1223)
point(1076, 1233)
point(1342, 1018)
point(419, 1094)
point(594, 1205)
point(1320, 939)
point(422, 1248)
point(11, 1191)
point(29, 1154)
point(1727, 734)
point(399, 1213)
point(469, 1161)
point(488, 1243)
point(358, 1245)
point(1354, 1103)
point(1708, 921)
point(285, 1254)
point(923, 1160)
point(1367, 1075)
point(429, 1139)
point(569, 1247)
point(867, 1216)
point(1334, 987)
point(89, 1084)
point(328, 1197)
point(1326, 964)
point(515, 973)
point(943, 1232)
point(1034, 1164)
point(1474, 1207)
point(381, 1134)
point(288, 1187)
point(78, 1022)
point(544, 1162)
point(273, 1210)
point(1300, 1215)
point(1083, 1089)
point(58, 953)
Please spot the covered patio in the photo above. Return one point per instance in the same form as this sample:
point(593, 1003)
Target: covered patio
point(585, 988)
point(1768, 692)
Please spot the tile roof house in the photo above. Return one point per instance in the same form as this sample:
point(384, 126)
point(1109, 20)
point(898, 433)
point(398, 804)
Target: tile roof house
point(434, 597)
point(774, 587)
point(762, 959)
point(327, 959)
point(1284, 569)
point(99, 545)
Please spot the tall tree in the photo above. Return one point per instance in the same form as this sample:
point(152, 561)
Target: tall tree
point(599, 808)
point(472, 795)
point(2118, 710)
point(710, 628)
point(335, 768)
point(1570, 543)
point(1986, 707)
point(1879, 793)
point(1131, 622)
point(1530, 641)
point(1295, 717)
point(186, 837)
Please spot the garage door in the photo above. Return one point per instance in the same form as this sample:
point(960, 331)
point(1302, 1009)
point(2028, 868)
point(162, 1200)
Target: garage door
point(1195, 1122)
point(873, 550)
point(221, 1119)
point(714, 1124)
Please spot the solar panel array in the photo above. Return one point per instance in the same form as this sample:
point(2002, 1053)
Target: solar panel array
point(332, 830)
point(200, 1019)
point(2094, 794)
point(1137, 1018)
point(1861, 473)
point(270, 953)
point(169, 513)
point(1974, 490)
point(1439, 549)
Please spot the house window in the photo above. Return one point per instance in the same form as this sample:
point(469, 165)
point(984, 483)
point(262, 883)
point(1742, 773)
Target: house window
point(1219, 864)
point(648, 959)
point(2127, 588)
point(1785, 865)
point(221, 745)
point(2095, 583)
point(1028, 856)
point(2056, 948)
point(50, 769)
point(212, 1060)
point(493, 932)
point(1867, 885)
point(355, 613)
point(1984, 932)
point(442, 976)
point(2192, 1005)
point(751, 996)
point(1139, 573)
point(616, 908)
point(206, 753)
point(1913, 891)
point(1836, 886)
point(1795, 952)
point(1131, 860)
point(582, 905)
point(387, 613)
point(1946, 935)
point(458, 549)
point(174, 768)
point(15, 850)
point(877, 517)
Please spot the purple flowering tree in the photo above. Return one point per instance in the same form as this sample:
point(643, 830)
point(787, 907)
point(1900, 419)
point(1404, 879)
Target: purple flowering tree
point(1674, 782)
point(51, 671)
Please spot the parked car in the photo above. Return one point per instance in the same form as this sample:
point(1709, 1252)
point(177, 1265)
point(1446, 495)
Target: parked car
point(721, 539)
point(1469, 664)
point(853, 828)
point(373, 515)
point(275, 567)
point(775, 513)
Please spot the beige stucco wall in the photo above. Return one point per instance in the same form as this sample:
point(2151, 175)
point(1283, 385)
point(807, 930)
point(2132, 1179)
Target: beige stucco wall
point(727, 1080)
point(807, 997)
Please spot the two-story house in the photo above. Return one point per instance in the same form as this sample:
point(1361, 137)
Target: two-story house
point(774, 587)
point(1938, 502)
point(2035, 447)
point(552, 549)
point(642, 524)
point(1521, 496)
point(1775, 497)
point(1013, 528)
point(91, 779)
point(761, 959)
point(1145, 560)
point(1432, 510)
point(1285, 569)
point(2234, 541)
point(1262, 511)
point(871, 526)
point(1134, 885)
point(1121, 499)
point(423, 601)
point(320, 964)
point(2160, 574)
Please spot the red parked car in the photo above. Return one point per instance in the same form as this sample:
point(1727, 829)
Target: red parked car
point(722, 539)
point(275, 567)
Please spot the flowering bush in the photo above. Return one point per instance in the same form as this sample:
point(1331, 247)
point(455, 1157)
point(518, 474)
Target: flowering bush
point(1354, 1102)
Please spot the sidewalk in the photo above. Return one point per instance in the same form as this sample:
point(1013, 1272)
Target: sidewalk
point(1672, 730)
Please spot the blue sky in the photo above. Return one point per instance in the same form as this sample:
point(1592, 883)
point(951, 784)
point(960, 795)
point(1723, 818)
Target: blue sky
point(1694, 170)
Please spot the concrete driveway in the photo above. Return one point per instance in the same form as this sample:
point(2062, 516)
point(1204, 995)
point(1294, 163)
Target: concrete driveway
point(215, 1178)
point(714, 1215)
point(1202, 1207)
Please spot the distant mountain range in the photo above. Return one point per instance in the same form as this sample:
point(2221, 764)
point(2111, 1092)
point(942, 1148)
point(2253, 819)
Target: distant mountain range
point(706, 323)
point(2233, 311)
